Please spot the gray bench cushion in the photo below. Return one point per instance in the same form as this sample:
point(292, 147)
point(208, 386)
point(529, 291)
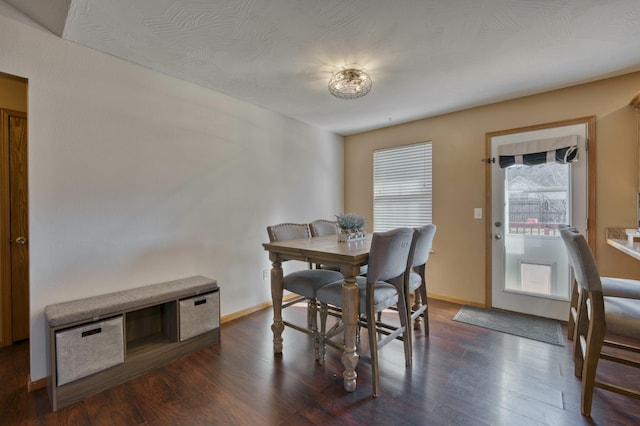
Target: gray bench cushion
point(97, 307)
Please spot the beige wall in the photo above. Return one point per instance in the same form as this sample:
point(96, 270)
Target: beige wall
point(13, 93)
point(457, 269)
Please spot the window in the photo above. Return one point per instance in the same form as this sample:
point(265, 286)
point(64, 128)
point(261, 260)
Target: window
point(402, 194)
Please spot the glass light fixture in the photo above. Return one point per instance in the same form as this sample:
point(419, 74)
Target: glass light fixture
point(350, 83)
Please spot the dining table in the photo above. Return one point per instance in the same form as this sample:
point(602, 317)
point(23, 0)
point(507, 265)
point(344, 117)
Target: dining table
point(348, 257)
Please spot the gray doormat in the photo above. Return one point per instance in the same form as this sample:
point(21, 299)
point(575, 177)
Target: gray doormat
point(543, 330)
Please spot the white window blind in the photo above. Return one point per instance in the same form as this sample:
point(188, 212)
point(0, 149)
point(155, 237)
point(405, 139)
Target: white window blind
point(402, 187)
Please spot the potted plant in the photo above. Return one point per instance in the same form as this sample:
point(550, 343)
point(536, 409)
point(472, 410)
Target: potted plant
point(350, 227)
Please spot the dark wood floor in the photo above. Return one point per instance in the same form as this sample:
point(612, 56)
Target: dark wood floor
point(461, 375)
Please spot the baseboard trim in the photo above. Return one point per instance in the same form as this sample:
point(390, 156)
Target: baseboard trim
point(252, 309)
point(455, 300)
point(37, 384)
point(261, 306)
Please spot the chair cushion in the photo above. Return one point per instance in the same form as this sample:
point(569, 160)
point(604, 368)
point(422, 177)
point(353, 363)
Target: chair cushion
point(622, 316)
point(307, 282)
point(415, 280)
point(620, 287)
point(384, 294)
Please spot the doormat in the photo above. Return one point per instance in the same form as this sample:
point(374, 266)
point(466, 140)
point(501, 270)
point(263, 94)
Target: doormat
point(542, 330)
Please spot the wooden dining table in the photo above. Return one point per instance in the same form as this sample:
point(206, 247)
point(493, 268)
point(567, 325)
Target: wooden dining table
point(349, 257)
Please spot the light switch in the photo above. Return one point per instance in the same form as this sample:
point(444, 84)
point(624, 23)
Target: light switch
point(477, 213)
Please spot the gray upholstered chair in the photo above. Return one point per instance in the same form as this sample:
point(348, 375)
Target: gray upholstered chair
point(615, 287)
point(601, 322)
point(304, 283)
point(418, 256)
point(416, 284)
point(383, 287)
point(323, 227)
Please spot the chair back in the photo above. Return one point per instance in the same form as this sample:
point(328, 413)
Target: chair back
point(388, 254)
point(581, 257)
point(421, 245)
point(569, 230)
point(562, 226)
point(323, 227)
point(288, 231)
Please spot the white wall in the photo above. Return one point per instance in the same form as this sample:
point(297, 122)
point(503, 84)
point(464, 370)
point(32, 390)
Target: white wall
point(137, 178)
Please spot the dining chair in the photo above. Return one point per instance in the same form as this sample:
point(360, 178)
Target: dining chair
point(323, 227)
point(417, 283)
point(602, 322)
point(615, 287)
point(383, 286)
point(306, 282)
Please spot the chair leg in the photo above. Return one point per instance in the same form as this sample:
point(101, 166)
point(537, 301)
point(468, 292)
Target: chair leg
point(425, 314)
point(417, 303)
point(321, 336)
point(405, 324)
point(594, 340)
point(581, 329)
point(420, 295)
point(312, 312)
point(571, 325)
point(373, 348)
point(588, 382)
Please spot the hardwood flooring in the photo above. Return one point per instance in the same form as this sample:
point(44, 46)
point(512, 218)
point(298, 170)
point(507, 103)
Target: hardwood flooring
point(461, 375)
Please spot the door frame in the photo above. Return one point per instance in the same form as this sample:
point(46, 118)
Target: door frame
point(590, 123)
point(6, 308)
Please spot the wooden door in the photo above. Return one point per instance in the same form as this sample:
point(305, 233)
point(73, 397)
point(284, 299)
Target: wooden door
point(14, 228)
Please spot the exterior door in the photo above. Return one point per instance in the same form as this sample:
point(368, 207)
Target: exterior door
point(14, 270)
point(529, 266)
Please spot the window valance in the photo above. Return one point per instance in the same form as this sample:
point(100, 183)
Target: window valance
point(562, 150)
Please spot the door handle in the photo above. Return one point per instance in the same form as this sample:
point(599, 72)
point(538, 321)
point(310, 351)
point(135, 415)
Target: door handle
point(21, 240)
point(498, 236)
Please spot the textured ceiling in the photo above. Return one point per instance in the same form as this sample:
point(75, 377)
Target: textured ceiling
point(426, 57)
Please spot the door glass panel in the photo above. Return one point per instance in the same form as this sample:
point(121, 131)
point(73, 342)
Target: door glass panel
point(537, 199)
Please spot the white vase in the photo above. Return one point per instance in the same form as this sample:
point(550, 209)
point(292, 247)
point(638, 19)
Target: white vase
point(351, 235)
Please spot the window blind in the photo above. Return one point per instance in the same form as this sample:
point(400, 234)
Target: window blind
point(402, 187)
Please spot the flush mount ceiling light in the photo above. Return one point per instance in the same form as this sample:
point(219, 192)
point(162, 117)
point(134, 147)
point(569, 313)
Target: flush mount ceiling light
point(350, 84)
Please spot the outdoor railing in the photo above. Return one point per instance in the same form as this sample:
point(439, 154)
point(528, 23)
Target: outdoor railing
point(533, 228)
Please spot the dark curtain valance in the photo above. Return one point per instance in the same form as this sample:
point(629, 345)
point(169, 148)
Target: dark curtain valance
point(554, 150)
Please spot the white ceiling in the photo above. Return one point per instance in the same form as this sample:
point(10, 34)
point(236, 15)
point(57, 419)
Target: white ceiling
point(426, 57)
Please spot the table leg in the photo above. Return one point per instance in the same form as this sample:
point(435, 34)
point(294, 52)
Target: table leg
point(276, 297)
point(350, 310)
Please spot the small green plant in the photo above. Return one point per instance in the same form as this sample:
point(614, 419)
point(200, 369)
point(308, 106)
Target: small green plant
point(350, 221)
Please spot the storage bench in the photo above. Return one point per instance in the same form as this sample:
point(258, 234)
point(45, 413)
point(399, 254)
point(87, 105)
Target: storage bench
point(99, 342)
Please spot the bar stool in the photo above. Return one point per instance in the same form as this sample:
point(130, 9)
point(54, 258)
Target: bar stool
point(614, 287)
